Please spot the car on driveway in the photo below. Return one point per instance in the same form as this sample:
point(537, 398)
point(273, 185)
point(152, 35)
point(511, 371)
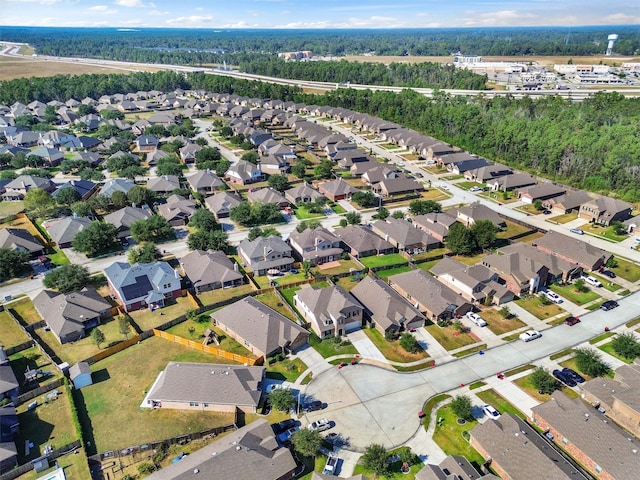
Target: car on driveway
point(443, 186)
point(284, 425)
point(419, 175)
point(571, 321)
point(607, 273)
point(608, 305)
point(530, 335)
point(477, 319)
point(313, 406)
point(476, 189)
point(577, 231)
point(552, 296)
point(566, 379)
point(285, 436)
point(574, 375)
point(491, 412)
point(592, 281)
point(320, 425)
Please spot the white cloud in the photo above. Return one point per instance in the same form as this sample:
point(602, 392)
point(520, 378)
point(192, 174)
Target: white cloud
point(500, 18)
point(620, 19)
point(103, 9)
point(190, 20)
point(41, 2)
point(134, 3)
point(158, 13)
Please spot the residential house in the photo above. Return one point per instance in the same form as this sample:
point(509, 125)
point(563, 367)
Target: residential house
point(317, 245)
point(116, 185)
point(207, 387)
point(9, 385)
point(263, 255)
point(378, 172)
point(123, 219)
point(618, 396)
point(85, 188)
point(453, 467)
point(435, 224)
point(210, 270)
point(347, 158)
point(9, 428)
point(458, 167)
point(17, 188)
point(358, 169)
point(512, 181)
point(404, 236)
point(221, 203)
point(486, 173)
point(155, 156)
point(260, 329)
point(247, 453)
point(64, 230)
point(476, 211)
point(400, 185)
point(244, 172)
point(25, 138)
point(331, 311)
point(449, 159)
point(303, 194)
point(632, 223)
point(437, 301)
point(361, 242)
point(336, 190)
point(143, 284)
point(542, 192)
point(71, 315)
point(177, 210)
point(268, 195)
point(476, 283)
point(164, 184)
point(507, 444)
point(605, 210)
point(204, 181)
point(385, 309)
point(569, 202)
point(600, 446)
point(274, 165)
point(146, 143)
point(573, 250)
point(20, 239)
point(50, 156)
point(188, 152)
point(80, 375)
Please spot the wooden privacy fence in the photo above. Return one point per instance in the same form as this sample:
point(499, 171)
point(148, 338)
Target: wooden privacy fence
point(107, 352)
point(27, 467)
point(208, 348)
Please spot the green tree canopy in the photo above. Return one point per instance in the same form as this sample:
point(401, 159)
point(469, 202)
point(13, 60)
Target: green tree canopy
point(96, 238)
point(484, 232)
point(375, 459)
point(422, 207)
point(460, 240)
point(590, 362)
point(209, 240)
point(462, 407)
point(67, 278)
point(38, 200)
point(67, 196)
point(140, 195)
point(543, 381)
point(626, 345)
point(147, 252)
point(307, 442)
point(282, 399)
point(365, 199)
point(278, 182)
point(152, 229)
point(12, 262)
point(203, 219)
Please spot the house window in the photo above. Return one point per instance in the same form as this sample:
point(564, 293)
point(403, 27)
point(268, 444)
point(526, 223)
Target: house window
point(166, 285)
point(356, 313)
point(206, 405)
point(193, 404)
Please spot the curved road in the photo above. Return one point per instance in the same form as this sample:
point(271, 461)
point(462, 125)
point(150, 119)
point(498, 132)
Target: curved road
point(373, 405)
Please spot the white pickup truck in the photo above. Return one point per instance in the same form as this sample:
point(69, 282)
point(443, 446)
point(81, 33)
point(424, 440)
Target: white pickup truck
point(330, 466)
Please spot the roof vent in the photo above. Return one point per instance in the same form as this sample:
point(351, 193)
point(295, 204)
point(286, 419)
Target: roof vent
point(238, 448)
point(196, 471)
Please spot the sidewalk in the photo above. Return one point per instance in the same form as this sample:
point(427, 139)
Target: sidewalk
point(365, 346)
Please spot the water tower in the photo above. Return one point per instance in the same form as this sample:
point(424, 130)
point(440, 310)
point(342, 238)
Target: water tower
point(612, 39)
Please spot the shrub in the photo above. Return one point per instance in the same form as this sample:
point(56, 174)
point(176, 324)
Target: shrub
point(146, 468)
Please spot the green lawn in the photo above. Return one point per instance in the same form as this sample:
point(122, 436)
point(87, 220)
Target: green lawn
point(24, 310)
point(32, 358)
point(395, 467)
point(385, 274)
point(603, 232)
point(512, 230)
point(525, 384)
point(602, 336)
point(608, 348)
point(627, 270)
point(570, 293)
point(500, 403)
point(214, 296)
point(329, 347)
point(10, 208)
point(384, 260)
point(121, 382)
point(264, 281)
point(392, 349)
point(564, 218)
point(467, 185)
point(12, 334)
point(427, 266)
point(469, 259)
point(534, 305)
point(498, 324)
point(288, 370)
point(146, 319)
point(302, 213)
point(345, 266)
point(227, 343)
point(449, 337)
point(58, 258)
point(470, 351)
point(275, 302)
point(449, 436)
point(607, 283)
point(75, 468)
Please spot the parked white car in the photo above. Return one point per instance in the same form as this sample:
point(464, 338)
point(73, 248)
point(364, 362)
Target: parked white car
point(530, 335)
point(320, 425)
point(592, 281)
point(491, 412)
point(554, 297)
point(477, 319)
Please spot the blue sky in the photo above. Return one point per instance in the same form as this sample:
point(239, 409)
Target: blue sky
point(317, 14)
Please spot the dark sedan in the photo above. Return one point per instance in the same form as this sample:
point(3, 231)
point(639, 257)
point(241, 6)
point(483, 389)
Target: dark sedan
point(609, 305)
point(284, 425)
point(564, 378)
point(575, 376)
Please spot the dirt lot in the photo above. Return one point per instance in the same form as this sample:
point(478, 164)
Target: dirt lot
point(11, 68)
point(543, 60)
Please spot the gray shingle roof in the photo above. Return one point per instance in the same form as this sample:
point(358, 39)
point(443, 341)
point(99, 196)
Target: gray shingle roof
point(204, 179)
point(19, 238)
point(64, 230)
point(404, 233)
point(126, 216)
point(210, 267)
point(222, 202)
point(361, 239)
point(78, 369)
point(328, 302)
point(136, 281)
point(571, 248)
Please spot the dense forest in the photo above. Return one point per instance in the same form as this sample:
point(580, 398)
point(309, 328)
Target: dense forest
point(203, 46)
point(424, 74)
point(594, 144)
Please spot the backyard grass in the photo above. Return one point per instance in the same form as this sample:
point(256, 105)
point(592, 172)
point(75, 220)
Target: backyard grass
point(12, 334)
point(48, 424)
point(384, 260)
point(227, 343)
point(564, 218)
point(449, 337)
point(385, 274)
point(392, 349)
point(264, 281)
point(534, 305)
point(75, 468)
point(469, 259)
point(24, 310)
point(214, 296)
point(329, 347)
point(345, 266)
point(147, 320)
point(572, 294)
point(627, 270)
point(395, 468)
point(84, 348)
point(431, 254)
point(500, 403)
point(288, 370)
point(274, 302)
point(427, 266)
point(498, 324)
point(449, 436)
point(120, 384)
point(512, 230)
point(531, 237)
point(10, 208)
point(608, 348)
point(348, 282)
point(32, 358)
